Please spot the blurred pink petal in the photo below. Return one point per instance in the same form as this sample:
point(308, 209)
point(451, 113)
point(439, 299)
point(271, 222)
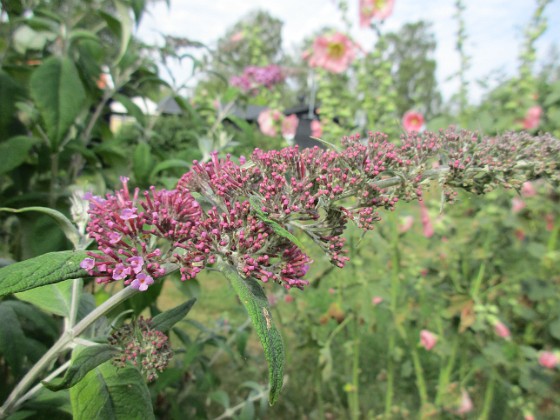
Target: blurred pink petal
point(316, 129)
point(289, 126)
point(501, 330)
point(517, 204)
point(333, 52)
point(548, 360)
point(413, 121)
point(428, 339)
point(406, 224)
point(428, 228)
point(532, 118)
point(375, 9)
point(528, 189)
point(466, 404)
point(376, 300)
point(268, 122)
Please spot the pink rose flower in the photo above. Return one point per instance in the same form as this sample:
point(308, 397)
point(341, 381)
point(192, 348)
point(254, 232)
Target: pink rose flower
point(376, 300)
point(289, 126)
point(548, 360)
point(501, 330)
point(375, 9)
point(316, 129)
point(334, 52)
point(413, 121)
point(268, 122)
point(428, 339)
point(532, 118)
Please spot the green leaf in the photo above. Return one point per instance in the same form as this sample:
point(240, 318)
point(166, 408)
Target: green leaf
point(65, 224)
point(279, 230)
point(168, 164)
point(12, 338)
point(133, 109)
point(255, 302)
point(166, 320)
point(110, 393)
point(14, 151)
point(10, 93)
point(51, 298)
point(142, 162)
point(59, 94)
point(45, 269)
point(37, 320)
point(554, 328)
point(126, 24)
point(86, 360)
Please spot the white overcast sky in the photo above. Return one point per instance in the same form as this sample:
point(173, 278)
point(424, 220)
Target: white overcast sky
point(494, 27)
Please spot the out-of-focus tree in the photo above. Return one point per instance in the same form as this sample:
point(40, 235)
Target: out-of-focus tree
point(411, 51)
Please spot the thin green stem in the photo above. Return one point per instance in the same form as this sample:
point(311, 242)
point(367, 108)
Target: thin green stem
point(354, 395)
point(445, 373)
point(53, 181)
point(488, 397)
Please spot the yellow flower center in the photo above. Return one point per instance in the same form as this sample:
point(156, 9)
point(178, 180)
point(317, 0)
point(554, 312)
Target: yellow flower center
point(336, 50)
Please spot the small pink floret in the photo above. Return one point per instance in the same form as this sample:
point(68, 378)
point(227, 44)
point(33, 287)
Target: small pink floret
point(127, 214)
point(87, 264)
point(142, 282)
point(136, 263)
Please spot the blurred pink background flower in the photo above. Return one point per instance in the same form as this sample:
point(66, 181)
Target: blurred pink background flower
point(375, 9)
point(528, 189)
point(289, 126)
point(413, 121)
point(501, 330)
point(428, 339)
point(376, 300)
point(236, 37)
point(268, 122)
point(517, 204)
point(316, 129)
point(532, 118)
point(334, 52)
point(466, 404)
point(548, 360)
point(428, 228)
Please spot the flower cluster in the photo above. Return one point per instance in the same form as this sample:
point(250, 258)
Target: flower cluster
point(146, 348)
point(246, 213)
point(255, 78)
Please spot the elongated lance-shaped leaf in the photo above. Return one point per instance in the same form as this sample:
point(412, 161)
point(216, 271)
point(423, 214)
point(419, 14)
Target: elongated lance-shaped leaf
point(86, 360)
point(255, 301)
point(166, 320)
point(275, 226)
point(45, 269)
